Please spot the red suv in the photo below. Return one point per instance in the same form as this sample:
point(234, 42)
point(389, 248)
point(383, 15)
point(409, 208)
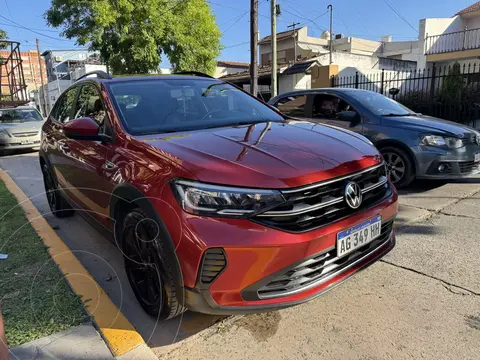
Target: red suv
point(219, 203)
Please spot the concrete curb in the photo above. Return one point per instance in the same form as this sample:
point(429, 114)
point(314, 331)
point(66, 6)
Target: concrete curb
point(118, 333)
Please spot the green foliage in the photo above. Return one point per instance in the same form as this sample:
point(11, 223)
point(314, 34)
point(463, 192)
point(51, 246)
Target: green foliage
point(453, 85)
point(132, 35)
point(3, 35)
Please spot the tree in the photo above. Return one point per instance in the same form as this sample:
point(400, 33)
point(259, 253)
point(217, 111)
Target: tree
point(3, 35)
point(453, 85)
point(133, 35)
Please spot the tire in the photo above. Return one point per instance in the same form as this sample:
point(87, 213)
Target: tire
point(148, 267)
point(400, 167)
point(59, 206)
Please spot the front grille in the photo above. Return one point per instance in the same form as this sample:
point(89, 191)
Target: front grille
point(467, 167)
point(25, 134)
point(213, 263)
point(471, 139)
point(319, 268)
point(316, 205)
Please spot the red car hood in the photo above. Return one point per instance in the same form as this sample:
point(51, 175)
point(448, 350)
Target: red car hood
point(266, 155)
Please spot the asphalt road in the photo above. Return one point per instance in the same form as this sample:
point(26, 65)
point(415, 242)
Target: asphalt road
point(421, 301)
point(101, 258)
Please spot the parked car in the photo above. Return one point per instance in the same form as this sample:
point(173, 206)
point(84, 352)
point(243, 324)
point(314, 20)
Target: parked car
point(19, 128)
point(413, 145)
point(219, 203)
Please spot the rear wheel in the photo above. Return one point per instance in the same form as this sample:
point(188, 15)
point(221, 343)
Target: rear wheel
point(59, 206)
point(148, 267)
point(400, 168)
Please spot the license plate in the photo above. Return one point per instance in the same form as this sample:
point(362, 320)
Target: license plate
point(353, 238)
point(477, 157)
point(26, 142)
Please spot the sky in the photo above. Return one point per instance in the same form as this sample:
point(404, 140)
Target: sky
point(369, 19)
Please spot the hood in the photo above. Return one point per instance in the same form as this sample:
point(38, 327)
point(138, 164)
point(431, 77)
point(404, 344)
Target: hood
point(266, 155)
point(424, 123)
point(22, 127)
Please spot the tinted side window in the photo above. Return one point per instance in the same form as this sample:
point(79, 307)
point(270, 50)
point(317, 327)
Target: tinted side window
point(90, 104)
point(65, 108)
point(292, 105)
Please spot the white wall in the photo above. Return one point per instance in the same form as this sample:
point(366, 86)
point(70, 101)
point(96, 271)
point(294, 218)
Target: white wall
point(436, 26)
point(473, 22)
point(223, 70)
point(294, 82)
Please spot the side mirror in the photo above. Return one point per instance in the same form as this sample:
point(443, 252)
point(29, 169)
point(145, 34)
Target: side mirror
point(82, 129)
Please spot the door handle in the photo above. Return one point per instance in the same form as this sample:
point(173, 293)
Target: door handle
point(109, 165)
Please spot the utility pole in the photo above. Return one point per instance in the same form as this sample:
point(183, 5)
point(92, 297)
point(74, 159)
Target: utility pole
point(253, 47)
point(273, 86)
point(294, 40)
point(330, 7)
point(45, 113)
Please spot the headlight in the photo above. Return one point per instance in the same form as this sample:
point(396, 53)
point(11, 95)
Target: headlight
point(435, 140)
point(213, 200)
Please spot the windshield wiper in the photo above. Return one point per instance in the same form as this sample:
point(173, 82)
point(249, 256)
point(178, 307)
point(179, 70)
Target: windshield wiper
point(393, 114)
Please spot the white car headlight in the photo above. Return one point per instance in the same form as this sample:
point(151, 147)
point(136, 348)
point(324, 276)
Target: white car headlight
point(445, 141)
point(4, 133)
point(215, 200)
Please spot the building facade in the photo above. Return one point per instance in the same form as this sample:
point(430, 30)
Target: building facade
point(31, 68)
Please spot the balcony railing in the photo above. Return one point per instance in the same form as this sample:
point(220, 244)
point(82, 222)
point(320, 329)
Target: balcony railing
point(454, 41)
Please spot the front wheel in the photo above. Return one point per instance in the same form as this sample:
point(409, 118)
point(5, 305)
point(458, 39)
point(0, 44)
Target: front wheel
point(59, 206)
point(148, 267)
point(400, 168)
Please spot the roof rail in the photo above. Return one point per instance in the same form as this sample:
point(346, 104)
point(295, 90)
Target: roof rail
point(100, 74)
point(195, 73)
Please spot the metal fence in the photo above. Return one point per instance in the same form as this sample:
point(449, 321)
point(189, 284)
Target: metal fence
point(448, 92)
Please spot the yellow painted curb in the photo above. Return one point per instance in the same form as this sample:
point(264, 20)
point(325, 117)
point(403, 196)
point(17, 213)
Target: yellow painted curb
point(118, 332)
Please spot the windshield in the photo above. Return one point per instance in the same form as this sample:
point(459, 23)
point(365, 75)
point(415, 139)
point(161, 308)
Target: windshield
point(19, 115)
point(379, 104)
point(170, 105)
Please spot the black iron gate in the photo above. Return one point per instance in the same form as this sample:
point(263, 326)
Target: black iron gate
point(449, 92)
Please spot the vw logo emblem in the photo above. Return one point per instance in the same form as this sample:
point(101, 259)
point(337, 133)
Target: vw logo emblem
point(353, 195)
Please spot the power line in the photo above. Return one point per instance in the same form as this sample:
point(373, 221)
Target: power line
point(35, 32)
point(10, 14)
point(16, 26)
point(305, 18)
point(232, 46)
point(358, 17)
point(240, 9)
point(399, 15)
point(236, 21)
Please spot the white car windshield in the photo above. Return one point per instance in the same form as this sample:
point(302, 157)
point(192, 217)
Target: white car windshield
point(19, 115)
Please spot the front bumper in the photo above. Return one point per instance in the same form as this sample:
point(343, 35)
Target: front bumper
point(16, 143)
point(457, 163)
point(201, 300)
point(255, 253)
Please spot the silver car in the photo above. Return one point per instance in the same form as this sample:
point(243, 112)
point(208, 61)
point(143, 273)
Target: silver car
point(20, 128)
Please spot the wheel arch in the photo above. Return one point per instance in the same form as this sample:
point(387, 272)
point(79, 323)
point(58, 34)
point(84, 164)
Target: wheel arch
point(126, 197)
point(398, 144)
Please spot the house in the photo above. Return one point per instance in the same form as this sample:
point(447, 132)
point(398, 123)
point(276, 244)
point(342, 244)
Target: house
point(447, 40)
point(230, 67)
point(300, 56)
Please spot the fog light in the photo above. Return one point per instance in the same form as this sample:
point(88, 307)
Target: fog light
point(443, 167)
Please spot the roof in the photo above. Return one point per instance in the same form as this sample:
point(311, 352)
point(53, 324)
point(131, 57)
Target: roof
point(116, 79)
point(469, 9)
point(227, 63)
point(299, 67)
point(280, 36)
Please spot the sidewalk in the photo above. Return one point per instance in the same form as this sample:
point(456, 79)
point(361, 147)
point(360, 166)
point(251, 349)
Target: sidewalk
point(80, 343)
